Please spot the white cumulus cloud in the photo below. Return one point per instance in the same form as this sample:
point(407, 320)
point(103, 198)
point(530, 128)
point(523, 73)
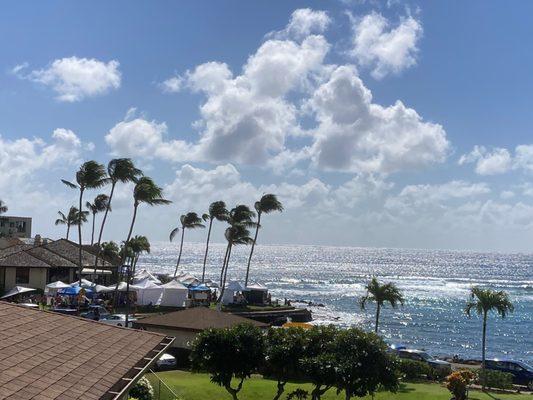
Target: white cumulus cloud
point(304, 22)
point(497, 161)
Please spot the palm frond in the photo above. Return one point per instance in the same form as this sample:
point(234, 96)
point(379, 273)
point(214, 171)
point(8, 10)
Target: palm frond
point(173, 233)
point(69, 184)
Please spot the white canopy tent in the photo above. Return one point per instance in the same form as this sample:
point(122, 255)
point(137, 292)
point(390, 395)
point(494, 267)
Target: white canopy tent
point(122, 287)
point(17, 290)
point(174, 294)
point(144, 274)
point(148, 292)
point(55, 286)
point(187, 279)
point(230, 290)
point(85, 283)
point(102, 289)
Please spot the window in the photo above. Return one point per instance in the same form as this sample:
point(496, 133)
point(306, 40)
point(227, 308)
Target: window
point(22, 275)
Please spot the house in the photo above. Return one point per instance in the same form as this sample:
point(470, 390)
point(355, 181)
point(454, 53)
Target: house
point(44, 355)
point(15, 227)
point(184, 325)
point(35, 265)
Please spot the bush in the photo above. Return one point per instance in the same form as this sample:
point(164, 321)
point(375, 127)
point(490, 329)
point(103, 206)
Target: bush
point(411, 369)
point(457, 383)
point(495, 379)
point(142, 390)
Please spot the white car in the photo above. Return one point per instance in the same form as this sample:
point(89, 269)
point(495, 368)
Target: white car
point(166, 361)
point(118, 320)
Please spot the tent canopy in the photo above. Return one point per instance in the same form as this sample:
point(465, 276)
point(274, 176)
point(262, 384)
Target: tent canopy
point(85, 283)
point(17, 290)
point(174, 285)
point(73, 291)
point(122, 287)
point(257, 286)
point(57, 285)
point(174, 294)
point(144, 274)
point(235, 286)
point(145, 284)
point(200, 288)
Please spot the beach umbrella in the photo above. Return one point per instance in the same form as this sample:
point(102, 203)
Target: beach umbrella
point(17, 290)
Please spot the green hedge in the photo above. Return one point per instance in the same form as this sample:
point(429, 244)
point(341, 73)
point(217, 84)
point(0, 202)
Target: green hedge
point(495, 379)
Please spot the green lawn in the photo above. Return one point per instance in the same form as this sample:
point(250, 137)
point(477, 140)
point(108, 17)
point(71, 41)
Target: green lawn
point(198, 387)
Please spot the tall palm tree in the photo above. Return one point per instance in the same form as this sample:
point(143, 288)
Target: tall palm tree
point(91, 175)
point(109, 250)
point(138, 244)
point(144, 192)
point(99, 204)
point(267, 204)
point(217, 211)
point(482, 301)
point(118, 170)
point(190, 220)
point(73, 218)
point(3, 207)
point(381, 294)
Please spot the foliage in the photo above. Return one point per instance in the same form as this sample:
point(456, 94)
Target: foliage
point(226, 354)
point(457, 383)
point(381, 294)
point(142, 390)
point(486, 300)
point(495, 379)
point(412, 369)
point(298, 394)
point(362, 364)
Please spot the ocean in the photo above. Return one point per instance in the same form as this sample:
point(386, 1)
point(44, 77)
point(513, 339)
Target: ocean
point(435, 285)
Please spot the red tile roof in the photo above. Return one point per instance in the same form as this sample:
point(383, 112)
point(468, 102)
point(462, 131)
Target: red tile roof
point(46, 356)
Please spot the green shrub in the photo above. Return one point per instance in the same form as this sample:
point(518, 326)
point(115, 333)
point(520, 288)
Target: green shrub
point(457, 383)
point(495, 379)
point(142, 390)
point(411, 369)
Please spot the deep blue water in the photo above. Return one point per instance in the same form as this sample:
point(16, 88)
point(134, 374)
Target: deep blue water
point(435, 284)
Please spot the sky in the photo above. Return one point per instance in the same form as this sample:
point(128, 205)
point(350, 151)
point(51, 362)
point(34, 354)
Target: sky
point(383, 124)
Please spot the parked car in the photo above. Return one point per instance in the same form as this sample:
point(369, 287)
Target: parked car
point(96, 313)
point(422, 356)
point(522, 372)
point(166, 361)
point(118, 320)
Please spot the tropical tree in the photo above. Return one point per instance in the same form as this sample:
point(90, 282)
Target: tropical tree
point(144, 192)
point(267, 204)
point(91, 175)
point(3, 207)
point(109, 250)
point(381, 294)
point(99, 204)
point(138, 244)
point(73, 218)
point(217, 211)
point(483, 301)
point(190, 220)
point(118, 170)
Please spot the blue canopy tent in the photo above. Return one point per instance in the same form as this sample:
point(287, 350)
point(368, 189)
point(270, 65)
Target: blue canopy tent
point(199, 288)
point(74, 291)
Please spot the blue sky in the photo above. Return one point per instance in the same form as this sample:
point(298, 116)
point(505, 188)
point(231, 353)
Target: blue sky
point(228, 100)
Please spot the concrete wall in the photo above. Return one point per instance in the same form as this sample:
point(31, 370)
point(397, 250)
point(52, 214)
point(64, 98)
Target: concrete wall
point(183, 339)
point(12, 231)
point(37, 278)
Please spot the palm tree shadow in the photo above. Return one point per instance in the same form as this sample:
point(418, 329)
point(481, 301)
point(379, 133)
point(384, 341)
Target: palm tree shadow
point(405, 389)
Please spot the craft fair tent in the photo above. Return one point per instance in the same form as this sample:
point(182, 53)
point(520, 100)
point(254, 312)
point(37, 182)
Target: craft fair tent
point(17, 290)
point(53, 287)
point(148, 292)
point(85, 283)
point(144, 274)
point(174, 294)
point(212, 284)
point(230, 290)
point(74, 291)
point(188, 279)
point(256, 293)
point(102, 289)
point(200, 292)
point(122, 287)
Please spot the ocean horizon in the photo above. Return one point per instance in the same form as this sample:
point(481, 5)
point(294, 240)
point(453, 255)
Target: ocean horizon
point(435, 284)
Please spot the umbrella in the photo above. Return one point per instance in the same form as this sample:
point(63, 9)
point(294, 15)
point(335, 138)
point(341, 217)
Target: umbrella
point(17, 290)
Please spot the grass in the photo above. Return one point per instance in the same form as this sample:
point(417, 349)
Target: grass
point(198, 387)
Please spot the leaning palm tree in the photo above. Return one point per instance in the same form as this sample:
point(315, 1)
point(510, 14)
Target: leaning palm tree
point(217, 211)
point(91, 175)
point(267, 204)
point(3, 207)
point(482, 301)
point(73, 218)
point(99, 204)
point(138, 244)
point(118, 170)
point(144, 192)
point(190, 220)
point(381, 294)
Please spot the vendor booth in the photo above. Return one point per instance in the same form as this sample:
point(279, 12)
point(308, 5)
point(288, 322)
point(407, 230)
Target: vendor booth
point(174, 294)
point(148, 292)
point(233, 293)
point(256, 294)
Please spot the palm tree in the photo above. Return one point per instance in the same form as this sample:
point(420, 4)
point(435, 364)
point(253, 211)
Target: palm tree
point(144, 192)
point(482, 301)
point(99, 204)
point(218, 211)
point(381, 294)
point(73, 218)
point(91, 175)
point(138, 244)
point(190, 220)
point(109, 250)
point(267, 204)
point(118, 170)
point(3, 207)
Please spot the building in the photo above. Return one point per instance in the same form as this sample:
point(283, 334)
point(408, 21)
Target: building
point(15, 226)
point(49, 356)
point(36, 265)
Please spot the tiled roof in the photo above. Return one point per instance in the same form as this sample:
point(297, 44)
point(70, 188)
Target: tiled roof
point(69, 250)
point(196, 319)
point(22, 259)
point(14, 249)
point(47, 356)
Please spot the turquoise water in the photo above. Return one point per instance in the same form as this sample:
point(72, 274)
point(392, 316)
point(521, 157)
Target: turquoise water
point(435, 284)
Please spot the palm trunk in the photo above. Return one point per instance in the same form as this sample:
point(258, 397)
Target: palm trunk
point(378, 309)
point(79, 236)
point(179, 255)
point(226, 271)
point(207, 248)
point(223, 273)
point(483, 342)
point(102, 226)
point(125, 252)
point(223, 266)
point(68, 230)
point(92, 232)
point(252, 249)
